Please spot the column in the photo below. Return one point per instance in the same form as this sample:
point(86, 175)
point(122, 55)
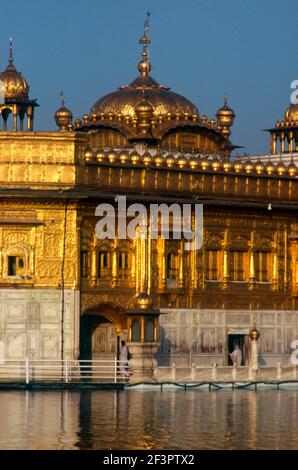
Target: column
point(114, 281)
point(252, 272)
point(291, 141)
point(15, 121)
point(93, 267)
point(225, 261)
point(181, 279)
point(273, 139)
point(161, 263)
point(275, 264)
point(282, 142)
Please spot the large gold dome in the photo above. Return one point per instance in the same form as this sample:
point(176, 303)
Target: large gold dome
point(291, 114)
point(15, 85)
point(125, 99)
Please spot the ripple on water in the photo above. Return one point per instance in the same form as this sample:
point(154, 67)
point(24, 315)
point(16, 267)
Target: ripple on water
point(149, 420)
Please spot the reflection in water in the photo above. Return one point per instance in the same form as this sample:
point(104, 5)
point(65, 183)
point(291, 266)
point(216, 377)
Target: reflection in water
point(149, 420)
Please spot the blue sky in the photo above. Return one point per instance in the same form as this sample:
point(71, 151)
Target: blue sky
point(200, 48)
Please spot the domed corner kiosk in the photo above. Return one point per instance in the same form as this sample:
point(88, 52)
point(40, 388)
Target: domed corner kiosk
point(14, 98)
point(142, 339)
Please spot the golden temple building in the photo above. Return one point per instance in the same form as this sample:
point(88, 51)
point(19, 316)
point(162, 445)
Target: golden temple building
point(65, 293)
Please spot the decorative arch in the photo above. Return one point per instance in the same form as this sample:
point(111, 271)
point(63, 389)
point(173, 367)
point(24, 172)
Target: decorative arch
point(100, 337)
point(112, 313)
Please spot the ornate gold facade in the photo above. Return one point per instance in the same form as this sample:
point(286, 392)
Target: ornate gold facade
point(153, 146)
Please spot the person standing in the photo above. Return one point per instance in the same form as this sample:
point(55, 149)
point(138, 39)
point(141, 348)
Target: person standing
point(124, 354)
point(236, 356)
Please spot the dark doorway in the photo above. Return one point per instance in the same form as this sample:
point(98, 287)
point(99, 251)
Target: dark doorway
point(234, 340)
point(98, 338)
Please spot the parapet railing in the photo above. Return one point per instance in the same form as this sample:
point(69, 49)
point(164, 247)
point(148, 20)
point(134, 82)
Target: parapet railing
point(64, 371)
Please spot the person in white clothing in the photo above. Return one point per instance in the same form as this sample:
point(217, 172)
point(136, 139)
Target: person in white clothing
point(236, 356)
point(124, 361)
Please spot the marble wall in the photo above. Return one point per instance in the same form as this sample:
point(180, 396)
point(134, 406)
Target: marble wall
point(201, 336)
point(30, 324)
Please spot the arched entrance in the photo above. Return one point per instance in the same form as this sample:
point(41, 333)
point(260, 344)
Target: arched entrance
point(100, 330)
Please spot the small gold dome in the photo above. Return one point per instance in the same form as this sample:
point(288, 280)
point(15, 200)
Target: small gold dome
point(143, 301)
point(15, 85)
point(292, 169)
point(259, 167)
point(147, 159)
point(225, 115)
point(227, 165)
point(144, 68)
point(204, 119)
point(193, 163)
point(158, 160)
point(254, 334)
point(112, 156)
point(100, 156)
point(204, 163)
point(212, 122)
point(248, 166)
point(63, 116)
point(144, 109)
point(88, 154)
point(216, 164)
point(77, 122)
point(144, 112)
point(238, 166)
point(270, 168)
point(181, 161)
point(124, 157)
point(281, 169)
point(170, 160)
point(135, 158)
point(291, 113)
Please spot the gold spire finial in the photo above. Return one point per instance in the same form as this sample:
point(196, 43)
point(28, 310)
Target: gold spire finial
point(144, 65)
point(10, 51)
point(62, 98)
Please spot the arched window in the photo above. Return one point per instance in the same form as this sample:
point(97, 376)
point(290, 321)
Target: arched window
point(136, 331)
point(238, 265)
point(262, 266)
point(212, 265)
point(84, 263)
point(103, 264)
point(149, 331)
point(123, 264)
point(172, 266)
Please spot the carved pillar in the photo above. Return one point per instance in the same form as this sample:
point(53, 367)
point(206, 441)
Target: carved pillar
point(142, 329)
point(252, 262)
point(114, 281)
point(161, 264)
point(93, 267)
point(252, 270)
point(275, 264)
point(15, 120)
point(275, 271)
point(149, 254)
point(273, 140)
point(181, 279)
point(291, 141)
point(133, 268)
point(193, 269)
point(285, 259)
point(282, 142)
point(226, 268)
point(29, 119)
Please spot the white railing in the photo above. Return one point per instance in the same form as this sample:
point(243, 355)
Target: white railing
point(67, 371)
